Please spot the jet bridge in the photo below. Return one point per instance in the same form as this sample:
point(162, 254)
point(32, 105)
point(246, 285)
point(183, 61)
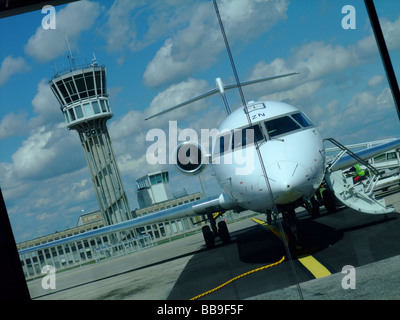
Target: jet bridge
point(356, 195)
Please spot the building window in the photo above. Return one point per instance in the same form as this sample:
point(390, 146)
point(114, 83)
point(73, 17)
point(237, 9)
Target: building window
point(88, 109)
point(79, 113)
point(103, 105)
point(72, 114)
point(96, 107)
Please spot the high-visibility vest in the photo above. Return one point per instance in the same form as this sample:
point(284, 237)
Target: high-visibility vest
point(360, 172)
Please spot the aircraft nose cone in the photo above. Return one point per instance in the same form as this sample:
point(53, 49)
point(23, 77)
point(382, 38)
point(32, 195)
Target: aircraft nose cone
point(286, 179)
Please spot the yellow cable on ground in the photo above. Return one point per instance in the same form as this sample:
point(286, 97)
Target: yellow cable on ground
point(238, 277)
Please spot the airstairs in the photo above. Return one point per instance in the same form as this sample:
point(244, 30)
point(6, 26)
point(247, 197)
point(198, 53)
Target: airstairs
point(356, 195)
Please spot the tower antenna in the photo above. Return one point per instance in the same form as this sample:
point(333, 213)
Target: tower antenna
point(70, 57)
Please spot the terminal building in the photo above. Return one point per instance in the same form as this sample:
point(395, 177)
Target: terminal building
point(158, 197)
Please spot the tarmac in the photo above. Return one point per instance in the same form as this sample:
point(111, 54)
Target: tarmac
point(184, 268)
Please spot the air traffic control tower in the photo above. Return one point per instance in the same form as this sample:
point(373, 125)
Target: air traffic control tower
point(82, 94)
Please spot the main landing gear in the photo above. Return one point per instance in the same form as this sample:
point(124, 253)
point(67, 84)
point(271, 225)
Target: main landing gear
point(220, 230)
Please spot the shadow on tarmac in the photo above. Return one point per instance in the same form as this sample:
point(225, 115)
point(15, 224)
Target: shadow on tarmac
point(332, 238)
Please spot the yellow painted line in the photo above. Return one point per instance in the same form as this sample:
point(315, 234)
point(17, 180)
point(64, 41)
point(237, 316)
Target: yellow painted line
point(314, 266)
point(274, 230)
point(263, 223)
point(308, 261)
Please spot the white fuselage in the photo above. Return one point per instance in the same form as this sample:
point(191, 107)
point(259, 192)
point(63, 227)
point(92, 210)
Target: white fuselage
point(291, 149)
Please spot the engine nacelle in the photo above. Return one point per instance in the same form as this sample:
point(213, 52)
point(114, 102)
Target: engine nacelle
point(190, 158)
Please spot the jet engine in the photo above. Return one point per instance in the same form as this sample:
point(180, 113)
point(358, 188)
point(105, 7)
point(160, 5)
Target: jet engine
point(190, 158)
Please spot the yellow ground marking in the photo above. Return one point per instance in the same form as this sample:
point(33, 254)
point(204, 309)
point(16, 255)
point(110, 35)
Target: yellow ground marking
point(308, 261)
point(274, 230)
point(314, 266)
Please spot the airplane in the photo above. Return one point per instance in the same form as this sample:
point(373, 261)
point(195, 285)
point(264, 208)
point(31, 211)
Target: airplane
point(286, 166)
point(293, 154)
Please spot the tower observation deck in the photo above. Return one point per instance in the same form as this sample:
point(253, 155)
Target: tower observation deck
point(82, 94)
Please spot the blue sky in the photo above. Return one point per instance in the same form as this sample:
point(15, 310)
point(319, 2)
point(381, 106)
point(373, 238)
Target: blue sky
point(160, 53)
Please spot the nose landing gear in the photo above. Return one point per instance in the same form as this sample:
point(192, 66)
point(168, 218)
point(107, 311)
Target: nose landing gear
point(220, 230)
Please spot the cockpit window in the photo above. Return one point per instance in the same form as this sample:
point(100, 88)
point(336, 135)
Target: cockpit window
point(246, 136)
point(302, 119)
point(280, 126)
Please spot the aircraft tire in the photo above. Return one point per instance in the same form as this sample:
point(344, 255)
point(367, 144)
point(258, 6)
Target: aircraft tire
point(329, 201)
point(208, 237)
point(314, 208)
point(224, 232)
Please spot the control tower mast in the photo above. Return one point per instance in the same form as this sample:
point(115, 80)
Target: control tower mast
point(82, 94)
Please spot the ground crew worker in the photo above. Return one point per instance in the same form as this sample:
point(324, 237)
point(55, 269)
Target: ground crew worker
point(359, 173)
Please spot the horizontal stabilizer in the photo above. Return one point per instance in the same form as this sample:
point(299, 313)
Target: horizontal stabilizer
point(216, 90)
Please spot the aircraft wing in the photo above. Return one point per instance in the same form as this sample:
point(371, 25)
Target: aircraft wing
point(347, 161)
point(204, 206)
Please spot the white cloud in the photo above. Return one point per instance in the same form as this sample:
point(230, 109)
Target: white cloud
point(76, 17)
point(121, 28)
point(361, 119)
point(13, 124)
point(197, 45)
point(127, 125)
point(45, 106)
point(174, 95)
point(318, 59)
point(47, 153)
point(313, 61)
point(368, 46)
point(301, 93)
point(164, 66)
point(391, 32)
point(375, 80)
point(10, 66)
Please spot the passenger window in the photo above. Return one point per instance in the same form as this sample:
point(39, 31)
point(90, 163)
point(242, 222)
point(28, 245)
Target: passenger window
point(302, 119)
point(280, 126)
